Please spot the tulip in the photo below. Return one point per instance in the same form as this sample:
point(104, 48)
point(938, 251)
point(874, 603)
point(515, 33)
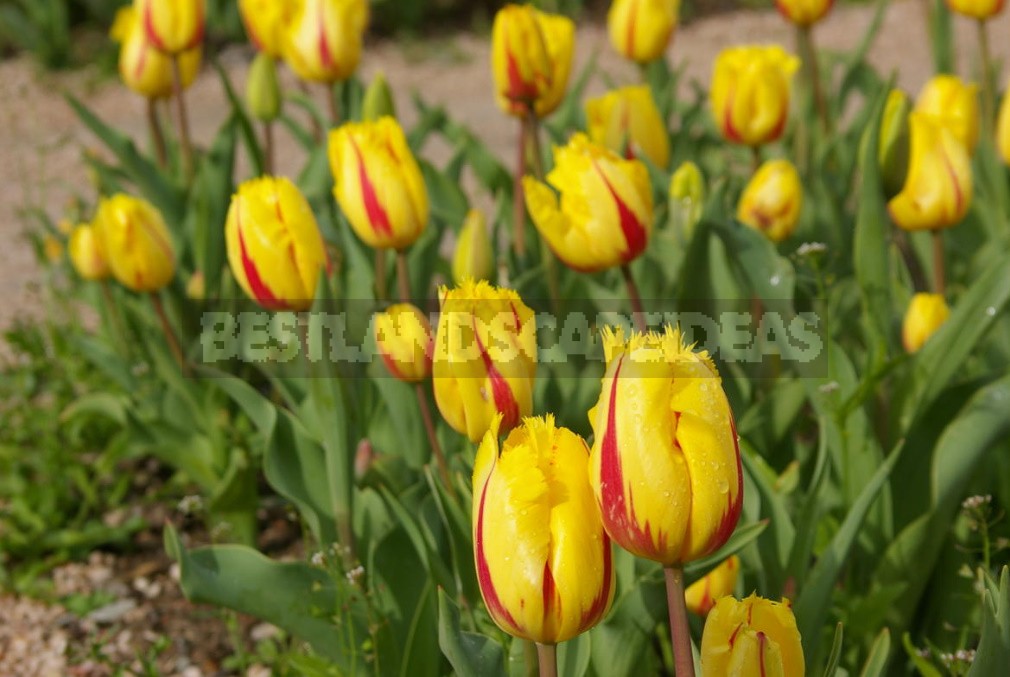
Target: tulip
point(263, 91)
point(196, 288)
point(485, 358)
point(543, 560)
point(265, 22)
point(753, 638)
point(627, 122)
point(665, 464)
point(926, 313)
point(531, 58)
point(143, 68)
point(976, 9)
point(86, 253)
point(136, 242)
point(804, 12)
point(703, 593)
point(640, 30)
point(322, 41)
point(892, 151)
point(173, 26)
point(687, 196)
point(938, 188)
point(275, 249)
point(750, 93)
point(473, 257)
point(378, 101)
point(604, 217)
point(772, 200)
point(952, 104)
point(403, 338)
point(378, 183)
point(1003, 130)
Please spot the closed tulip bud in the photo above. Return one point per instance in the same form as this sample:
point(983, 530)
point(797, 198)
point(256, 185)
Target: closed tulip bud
point(627, 122)
point(322, 42)
point(1003, 130)
point(473, 258)
point(86, 253)
point(136, 243)
point(953, 104)
point(378, 101)
point(531, 59)
point(926, 313)
point(702, 595)
point(543, 560)
point(143, 68)
point(976, 9)
point(265, 22)
point(196, 288)
point(804, 12)
point(263, 92)
point(403, 337)
point(772, 200)
point(938, 187)
point(485, 358)
point(604, 215)
point(640, 30)
point(687, 196)
point(750, 93)
point(275, 250)
point(665, 464)
point(173, 26)
point(892, 151)
point(753, 638)
point(379, 185)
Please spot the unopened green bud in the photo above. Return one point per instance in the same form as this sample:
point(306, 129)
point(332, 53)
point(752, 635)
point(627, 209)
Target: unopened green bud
point(892, 154)
point(263, 92)
point(473, 258)
point(687, 198)
point(378, 100)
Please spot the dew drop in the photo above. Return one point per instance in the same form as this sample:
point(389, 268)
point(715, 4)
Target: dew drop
point(723, 487)
point(990, 311)
point(775, 280)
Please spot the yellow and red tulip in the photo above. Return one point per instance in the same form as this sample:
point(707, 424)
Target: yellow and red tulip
point(143, 68)
point(953, 104)
point(627, 122)
point(136, 242)
point(86, 253)
point(804, 12)
point(702, 595)
point(604, 215)
point(665, 463)
point(543, 560)
point(772, 200)
point(173, 26)
point(275, 250)
point(485, 358)
point(750, 93)
point(265, 22)
point(640, 30)
point(925, 315)
point(976, 9)
point(473, 258)
point(322, 40)
point(753, 638)
point(404, 340)
point(378, 183)
point(1003, 130)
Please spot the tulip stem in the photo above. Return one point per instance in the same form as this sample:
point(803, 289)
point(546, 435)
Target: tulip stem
point(533, 139)
point(939, 272)
point(518, 198)
point(170, 337)
point(380, 274)
point(180, 103)
point(548, 657)
point(157, 134)
point(808, 52)
point(680, 632)
point(268, 148)
point(756, 157)
point(317, 130)
point(436, 448)
point(334, 103)
point(988, 101)
point(403, 277)
point(635, 298)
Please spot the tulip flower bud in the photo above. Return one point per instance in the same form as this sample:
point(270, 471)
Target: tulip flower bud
point(627, 122)
point(378, 101)
point(275, 250)
point(86, 253)
point(938, 188)
point(772, 200)
point(265, 22)
point(752, 638)
point(263, 92)
point(403, 337)
point(379, 185)
point(750, 93)
point(640, 30)
point(473, 258)
point(531, 58)
point(976, 9)
point(702, 595)
point(485, 358)
point(892, 152)
point(687, 197)
point(1003, 130)
point(604, 216)
point(196, 288)
point(136, 243)
point(952, 104)
point(804, 12)
point(543, 560)
point(926, 313)
point(665, 464)
point(322, 41)
point(173, 26)
point(143, 68)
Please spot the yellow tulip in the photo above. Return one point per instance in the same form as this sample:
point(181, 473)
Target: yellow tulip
point(753, 638)
point(531, 59)
point(665, 464)
point(143, 68)
point(379, 185)
point(473, 257)
point(952, 104)
point(976, 9)
point(173, 26)
point(938, 188)
point(275, 250)
point(687, 198)
point(604, 216)
point(543, 560)
point(750, 93)
point(702, 595)
point(772, 200)
point(265, 22)
point(640, 30)
point(136, 243)
point(196, 288)
point(925, 315)
point(627, 122)
point(322, 41)
point(804, 12)
point(485, 358)
point(86, 253)
point(1003, 129)
point(403, 338)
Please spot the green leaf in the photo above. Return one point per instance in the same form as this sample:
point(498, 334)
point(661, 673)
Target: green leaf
point(925, 668)
point(836, 652)
point(993, 653)
point(877, 662)
point(470, 654)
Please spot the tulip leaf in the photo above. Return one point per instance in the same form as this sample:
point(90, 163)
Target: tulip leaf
point(574, 656)
point(836, 651)
point(876, 664)
point(741, 538)
point(993, 653)
point(470, 654)
point(925, 668)
point(239, 116)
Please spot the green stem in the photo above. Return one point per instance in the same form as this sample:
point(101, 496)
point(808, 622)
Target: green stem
point(334, 103)
point(635, 298)
point(170, 337)
point(268, 147)
point(157, 133)
point(548, 657)
point(518, 198)
point(180, 103)
point(939, 272)
point(380, 274)
point(808, 52)
point(988, 79)
point(680, 632)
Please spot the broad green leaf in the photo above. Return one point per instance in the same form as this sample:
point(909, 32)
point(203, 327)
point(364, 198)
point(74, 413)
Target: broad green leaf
point(470, 654)
point(993, 654)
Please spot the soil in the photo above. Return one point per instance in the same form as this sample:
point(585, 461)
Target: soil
point(41, 167)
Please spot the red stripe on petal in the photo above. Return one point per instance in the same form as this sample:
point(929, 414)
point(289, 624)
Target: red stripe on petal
point(325, 56)
point(761, 653)
point(504, 400)
point(633, 230)
point(376, 213)
point(732, 515)
point(152, 33)
point(491, 599)
point(595, 611)
point(260, 291)
point(550, 591)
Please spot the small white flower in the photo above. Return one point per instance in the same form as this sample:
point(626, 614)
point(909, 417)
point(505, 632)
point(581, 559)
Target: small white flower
point(810, 248)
